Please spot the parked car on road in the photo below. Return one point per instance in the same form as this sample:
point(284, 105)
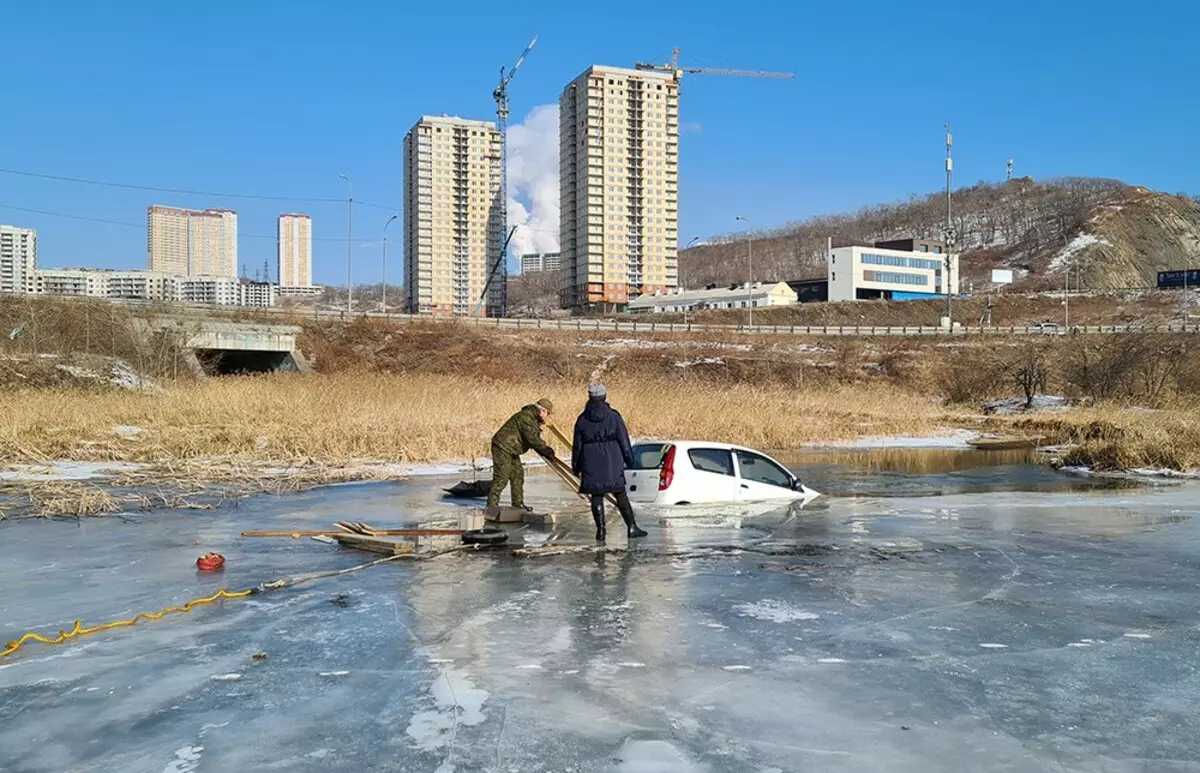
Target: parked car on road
point(685, 472)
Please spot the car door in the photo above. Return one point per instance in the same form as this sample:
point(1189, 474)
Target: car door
point(760, 478)
point(711, 477)
point(641, 480)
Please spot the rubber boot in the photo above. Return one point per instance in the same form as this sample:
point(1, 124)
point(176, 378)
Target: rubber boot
point(598, 517)
point(631, 527)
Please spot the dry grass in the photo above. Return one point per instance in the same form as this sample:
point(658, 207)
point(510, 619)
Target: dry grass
point(337, 418)
point(1114, 438)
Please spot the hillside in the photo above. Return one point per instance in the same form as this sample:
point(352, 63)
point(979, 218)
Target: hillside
point(1111, 235)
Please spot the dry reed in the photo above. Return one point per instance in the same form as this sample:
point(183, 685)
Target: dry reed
point(338, 418)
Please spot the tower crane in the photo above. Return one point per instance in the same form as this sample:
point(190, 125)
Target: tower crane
point(501, 97)
point(678, 71)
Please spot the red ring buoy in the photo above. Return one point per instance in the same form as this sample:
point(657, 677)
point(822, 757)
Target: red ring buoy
point(210, 562)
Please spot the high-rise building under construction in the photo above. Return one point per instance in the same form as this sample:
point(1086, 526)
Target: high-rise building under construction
point(452, 228)
point(619, 185)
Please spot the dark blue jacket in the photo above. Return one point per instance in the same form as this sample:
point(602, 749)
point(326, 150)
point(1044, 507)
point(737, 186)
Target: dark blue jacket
point(601, 451)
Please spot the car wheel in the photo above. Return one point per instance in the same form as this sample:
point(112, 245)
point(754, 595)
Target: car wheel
point(488, 536)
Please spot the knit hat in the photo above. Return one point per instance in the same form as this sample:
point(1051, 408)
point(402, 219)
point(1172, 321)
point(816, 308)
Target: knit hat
point(546, 405)
point(597, 390)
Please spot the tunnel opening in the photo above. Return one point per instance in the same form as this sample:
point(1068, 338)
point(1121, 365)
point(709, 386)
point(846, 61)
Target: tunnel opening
point(231, 362)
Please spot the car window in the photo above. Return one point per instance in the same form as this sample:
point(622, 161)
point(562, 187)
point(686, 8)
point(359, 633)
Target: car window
point(712, 460)
point(762, 470)
point(648, 456)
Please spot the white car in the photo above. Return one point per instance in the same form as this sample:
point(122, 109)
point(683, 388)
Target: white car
point(687, 472)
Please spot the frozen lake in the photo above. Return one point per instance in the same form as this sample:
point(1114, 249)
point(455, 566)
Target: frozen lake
point(945, 611)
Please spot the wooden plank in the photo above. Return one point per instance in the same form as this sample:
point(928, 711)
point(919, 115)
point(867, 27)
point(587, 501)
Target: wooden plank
point(334, 532)
point(391, 547)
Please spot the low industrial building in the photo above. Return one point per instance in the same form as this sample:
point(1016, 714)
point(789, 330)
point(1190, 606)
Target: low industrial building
point(737, 296)
point(874, 273)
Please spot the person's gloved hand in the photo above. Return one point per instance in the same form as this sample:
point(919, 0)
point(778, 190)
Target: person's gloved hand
point(549, 453)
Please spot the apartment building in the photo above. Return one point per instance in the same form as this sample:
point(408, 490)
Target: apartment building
point(155, 286)
point(257, 294)
point(534, 262)
point(294, 248)
point(619, 185)
point(453, 231)
point(209, 290)
point(18, 259)
point(192, 242)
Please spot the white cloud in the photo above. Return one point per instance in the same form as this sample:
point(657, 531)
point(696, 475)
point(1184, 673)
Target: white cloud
point(533, 181)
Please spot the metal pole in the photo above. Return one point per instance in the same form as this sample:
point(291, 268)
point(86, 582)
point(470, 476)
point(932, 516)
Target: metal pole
point(949, 230)
point(679, 269)
point(349, 244)
point(383, 301)
point(1067, 300)
point(750, 258)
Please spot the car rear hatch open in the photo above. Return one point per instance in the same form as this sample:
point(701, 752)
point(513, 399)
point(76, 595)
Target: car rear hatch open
point(641, 480)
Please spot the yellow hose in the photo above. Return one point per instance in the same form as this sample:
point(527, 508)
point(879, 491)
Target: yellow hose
point(79, 630)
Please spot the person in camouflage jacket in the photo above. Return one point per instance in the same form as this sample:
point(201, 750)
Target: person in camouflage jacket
point(521, 433)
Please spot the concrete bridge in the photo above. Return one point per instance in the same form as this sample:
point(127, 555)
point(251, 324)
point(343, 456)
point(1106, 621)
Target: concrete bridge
point(216, 347)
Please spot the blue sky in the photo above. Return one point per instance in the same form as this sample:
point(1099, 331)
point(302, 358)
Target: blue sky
point(278, 98)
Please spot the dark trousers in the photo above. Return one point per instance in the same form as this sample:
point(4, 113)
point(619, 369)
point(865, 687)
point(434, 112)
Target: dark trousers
point(506, 467)
point(623, 506)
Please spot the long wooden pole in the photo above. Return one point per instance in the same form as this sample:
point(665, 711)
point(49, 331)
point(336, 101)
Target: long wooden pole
point(564, 470)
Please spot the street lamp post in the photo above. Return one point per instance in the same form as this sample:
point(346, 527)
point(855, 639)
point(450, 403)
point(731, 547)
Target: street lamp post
point(750, 257)
point(679, 269)
point(949, 231)
point(349, 244)
point(383, 292)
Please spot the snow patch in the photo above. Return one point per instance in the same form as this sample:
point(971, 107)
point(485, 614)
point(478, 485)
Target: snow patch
point(1077, 245)
point(774, 611)
point(701, 361)
point(456, 701)
point(644, 343)
point(1017, 405)
point(186, 760)
point(66, 470)
point(653, 756)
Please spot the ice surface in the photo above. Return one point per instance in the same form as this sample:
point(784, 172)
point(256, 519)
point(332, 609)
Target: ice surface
point(67, 470)
point(954, 439)
point(1003, 630)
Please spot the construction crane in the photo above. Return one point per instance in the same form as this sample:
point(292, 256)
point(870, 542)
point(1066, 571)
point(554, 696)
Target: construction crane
point(501, 97)
point(678, 71)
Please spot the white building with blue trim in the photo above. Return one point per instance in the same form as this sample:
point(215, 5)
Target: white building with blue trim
point(873, 273)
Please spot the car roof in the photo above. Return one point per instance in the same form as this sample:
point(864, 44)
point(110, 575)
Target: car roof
point(687, 445)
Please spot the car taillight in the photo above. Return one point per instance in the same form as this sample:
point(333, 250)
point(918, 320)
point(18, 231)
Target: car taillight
point(667, 473)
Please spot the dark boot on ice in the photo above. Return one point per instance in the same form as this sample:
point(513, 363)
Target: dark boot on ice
point(598, 517)
point(631, 527)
